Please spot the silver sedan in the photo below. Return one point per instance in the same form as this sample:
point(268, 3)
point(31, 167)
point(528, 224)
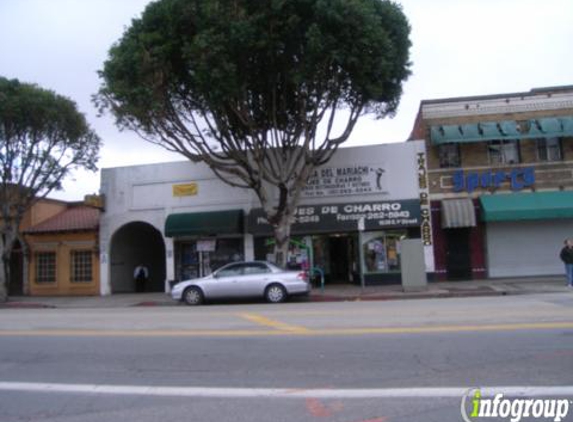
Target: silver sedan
point(242, 280)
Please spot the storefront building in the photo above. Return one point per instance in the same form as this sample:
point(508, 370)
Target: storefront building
point(180, 221)
point(500, 171)
point(63, 251)
point(56, 252)
point(354, 213)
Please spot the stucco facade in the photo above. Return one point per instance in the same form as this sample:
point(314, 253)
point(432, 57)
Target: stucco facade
point(63, 253)
point(64, 246)
point(147, 206)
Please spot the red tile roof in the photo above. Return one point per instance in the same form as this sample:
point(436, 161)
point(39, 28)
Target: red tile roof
point(75, 218)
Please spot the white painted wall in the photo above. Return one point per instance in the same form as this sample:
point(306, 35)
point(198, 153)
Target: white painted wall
point(144, 193)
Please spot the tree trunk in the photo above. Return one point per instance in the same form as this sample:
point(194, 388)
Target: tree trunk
point(282, 239)
point(26, 263)
point(6, 244)
point(3, 280)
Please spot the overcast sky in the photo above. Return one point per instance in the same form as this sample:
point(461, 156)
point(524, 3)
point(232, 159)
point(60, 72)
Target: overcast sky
point(460, 48)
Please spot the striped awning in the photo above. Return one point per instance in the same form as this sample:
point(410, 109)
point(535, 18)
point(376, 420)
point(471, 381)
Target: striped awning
point(458, 213)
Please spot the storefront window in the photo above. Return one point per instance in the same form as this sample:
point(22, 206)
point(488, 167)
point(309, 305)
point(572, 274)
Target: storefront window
point(187, 260)
point(199, 258)
point(226, 251)
point(381, 251)
point(298, 254)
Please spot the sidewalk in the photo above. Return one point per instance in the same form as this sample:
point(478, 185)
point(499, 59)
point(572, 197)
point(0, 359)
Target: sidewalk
point(489, 287)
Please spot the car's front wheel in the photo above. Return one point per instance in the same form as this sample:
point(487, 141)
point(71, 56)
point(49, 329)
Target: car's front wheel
point(193, 296)
point(275, 293)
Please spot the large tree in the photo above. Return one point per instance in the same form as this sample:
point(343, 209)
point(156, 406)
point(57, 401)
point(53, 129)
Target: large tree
point(257, 89)
point(42, 138)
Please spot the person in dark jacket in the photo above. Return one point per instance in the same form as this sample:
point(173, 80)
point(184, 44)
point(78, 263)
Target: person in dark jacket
point(566, 256)
point(140, 276)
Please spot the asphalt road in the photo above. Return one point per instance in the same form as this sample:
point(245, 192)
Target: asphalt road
point(340, 362)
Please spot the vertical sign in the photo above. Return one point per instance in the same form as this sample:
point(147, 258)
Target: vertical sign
point(425, 209)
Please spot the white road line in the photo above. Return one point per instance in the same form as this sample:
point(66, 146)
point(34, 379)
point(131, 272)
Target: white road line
point(210, 392)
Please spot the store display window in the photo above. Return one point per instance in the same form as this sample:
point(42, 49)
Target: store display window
point(381, 251)
point(298, 253)
point(199, 258)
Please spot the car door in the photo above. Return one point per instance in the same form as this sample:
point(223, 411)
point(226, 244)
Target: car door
point(225, 282)
point(256, 276)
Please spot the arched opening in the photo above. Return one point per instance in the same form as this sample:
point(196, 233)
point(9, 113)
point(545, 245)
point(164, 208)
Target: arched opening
point(132, 245)
point(16, 281)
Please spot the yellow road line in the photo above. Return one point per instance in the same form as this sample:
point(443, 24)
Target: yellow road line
point(282, 329)
point(277, 325)
point(445, 328)
point(136, 333)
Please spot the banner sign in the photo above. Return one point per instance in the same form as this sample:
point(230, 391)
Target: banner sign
point(377, 215)
point(346, 180)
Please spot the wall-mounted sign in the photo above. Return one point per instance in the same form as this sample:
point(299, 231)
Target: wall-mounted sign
point(97, 201)
point(207, 245)
point(344, 217)
point(518, 179)
point(426, 225)
point(186, 189)
point(346, 180)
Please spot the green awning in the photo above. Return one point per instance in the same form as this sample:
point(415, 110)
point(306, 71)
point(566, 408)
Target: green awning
point(548, 127)
point(204, 223)
point(527, 206)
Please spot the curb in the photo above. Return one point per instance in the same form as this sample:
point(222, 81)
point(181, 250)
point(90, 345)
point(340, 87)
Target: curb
point(151, 303)
point(26, 305)
point(443, 294)
point(483, 291)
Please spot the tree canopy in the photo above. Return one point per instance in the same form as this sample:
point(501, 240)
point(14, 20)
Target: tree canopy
point(42, 138)
point(244, 85)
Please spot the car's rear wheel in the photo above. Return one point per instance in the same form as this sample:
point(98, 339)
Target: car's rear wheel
point(275, 293)
point(193, 296)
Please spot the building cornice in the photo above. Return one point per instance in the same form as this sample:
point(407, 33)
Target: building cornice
point(483, 106)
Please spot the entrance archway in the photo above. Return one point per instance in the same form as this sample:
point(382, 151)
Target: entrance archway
point(134, 244)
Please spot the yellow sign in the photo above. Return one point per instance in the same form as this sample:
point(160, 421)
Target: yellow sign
point(187, 189)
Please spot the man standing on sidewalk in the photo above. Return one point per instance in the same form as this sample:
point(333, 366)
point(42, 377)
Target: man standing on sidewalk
point(566, 256)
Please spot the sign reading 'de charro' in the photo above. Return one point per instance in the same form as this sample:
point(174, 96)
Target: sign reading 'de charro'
point(344, 217)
